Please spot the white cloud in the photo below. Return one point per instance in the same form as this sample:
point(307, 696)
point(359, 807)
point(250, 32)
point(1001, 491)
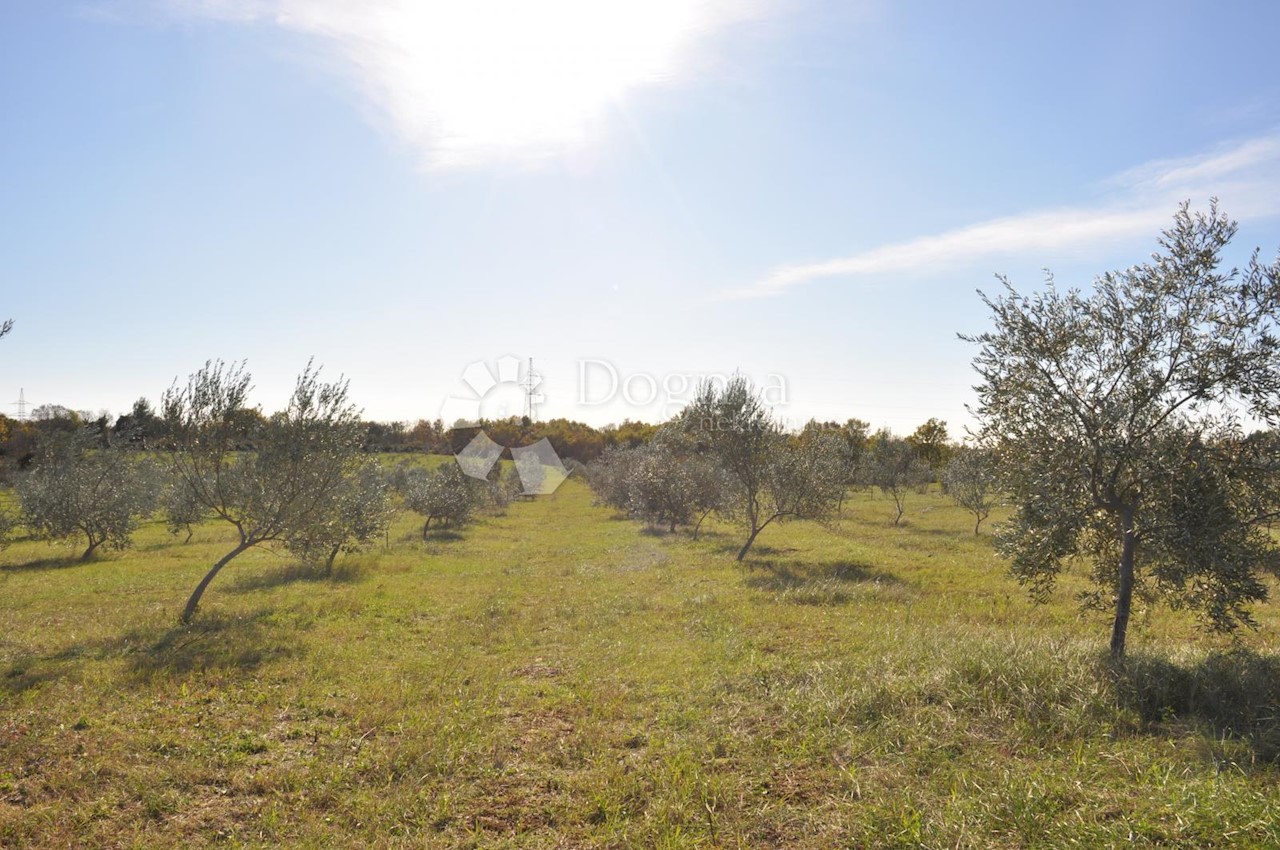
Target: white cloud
point(1245, 176)
point(472, 81)
point(1194, 171)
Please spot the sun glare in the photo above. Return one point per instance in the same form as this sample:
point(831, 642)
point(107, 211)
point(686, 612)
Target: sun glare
point(504, 79)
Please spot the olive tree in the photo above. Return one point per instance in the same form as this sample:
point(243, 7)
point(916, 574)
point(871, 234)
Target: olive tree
point(664, 482)
point(302, 458)
point(661, 487)
point(502, 486)
point(711, 489)
point(774, 478)
point(853, 438)
point(75, 489)
point(969, 479)
point(359, 513)
point(893, 465)
point(182, 509)
point(1109, 413)
point(445, 495)
point(854, 435)
point(611, 477)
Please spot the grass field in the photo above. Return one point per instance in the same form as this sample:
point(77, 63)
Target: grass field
point(560, 677)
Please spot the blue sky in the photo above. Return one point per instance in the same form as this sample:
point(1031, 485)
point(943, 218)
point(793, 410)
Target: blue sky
point(807, 192)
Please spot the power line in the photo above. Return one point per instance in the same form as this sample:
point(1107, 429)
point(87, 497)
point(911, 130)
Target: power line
point(21, 404)
point(532, 397)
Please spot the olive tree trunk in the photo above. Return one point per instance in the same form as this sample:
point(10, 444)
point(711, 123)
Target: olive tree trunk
point(93, 545)
point(194, 602)
point(1124, 588)
point(755, 532)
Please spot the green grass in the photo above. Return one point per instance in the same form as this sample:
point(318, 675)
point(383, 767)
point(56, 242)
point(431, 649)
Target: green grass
point(560, 677)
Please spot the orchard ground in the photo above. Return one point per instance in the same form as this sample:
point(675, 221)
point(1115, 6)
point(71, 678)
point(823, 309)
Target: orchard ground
point(559, 676)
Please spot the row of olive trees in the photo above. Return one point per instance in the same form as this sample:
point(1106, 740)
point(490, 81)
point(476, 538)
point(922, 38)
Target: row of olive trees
point(77, 488)
point(306, 485)
point(1109, 421)
point(666, 482)
point(725, 454)
point(899, 466)
point(101, 495)
point(449, 497)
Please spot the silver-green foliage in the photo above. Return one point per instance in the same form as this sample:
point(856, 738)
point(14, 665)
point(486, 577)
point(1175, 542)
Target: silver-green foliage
point(358, 514)
point(501, 486)
point(893, 465)
point(183, 511)
point(78, 489)
point(970, 480)
point(1110, 415)
point(774, 478)
point(611, 476)
point(665, 482)
point(303, 456)
point(7, 524)
point(661, 490)
point(446, 495)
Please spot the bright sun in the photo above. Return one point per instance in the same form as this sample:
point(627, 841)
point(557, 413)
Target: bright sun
point(502, 79)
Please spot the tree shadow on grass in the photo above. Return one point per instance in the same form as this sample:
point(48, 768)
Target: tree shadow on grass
point(616, 515)
point(730, 544)
point(344, 572)
point(857, 525)
point(965, 533)
point(1235, 694)
point(819, 583)
point(170, 541)
point(213, 642)
point(436, 534)
point(43, 564)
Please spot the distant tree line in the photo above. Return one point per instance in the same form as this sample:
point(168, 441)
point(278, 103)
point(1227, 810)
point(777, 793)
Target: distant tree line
point(302, 479)
point(143, 428)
